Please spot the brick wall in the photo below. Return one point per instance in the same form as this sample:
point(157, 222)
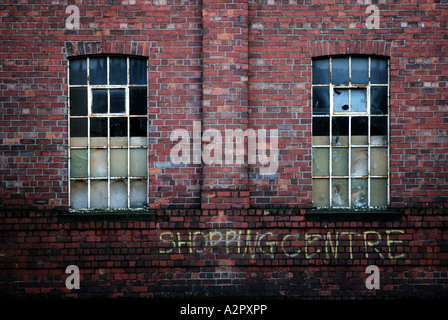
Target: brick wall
point(222, 229)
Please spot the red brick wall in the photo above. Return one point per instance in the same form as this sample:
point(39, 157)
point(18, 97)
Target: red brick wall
point(222, 229)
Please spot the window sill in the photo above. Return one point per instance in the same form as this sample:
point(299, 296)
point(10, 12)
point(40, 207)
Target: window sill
point(112, 216)
point(352, 215)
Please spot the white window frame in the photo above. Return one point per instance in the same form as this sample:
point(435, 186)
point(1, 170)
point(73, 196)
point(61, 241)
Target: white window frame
point(108, 147)
point(350, 114)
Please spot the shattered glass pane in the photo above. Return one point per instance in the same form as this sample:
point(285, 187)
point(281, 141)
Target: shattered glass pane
point(378, 192)
point(340, 97)
point(321, 161)
point(359, 192)
point(340, 192)
point(359, 165)
point(339, 161)
point(321, 196)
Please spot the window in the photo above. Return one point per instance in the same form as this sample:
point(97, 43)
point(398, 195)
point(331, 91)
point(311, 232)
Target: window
point(108, 154)
point(350, 147)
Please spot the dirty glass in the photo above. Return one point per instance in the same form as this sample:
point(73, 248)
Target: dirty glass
point(340, 192)
point(118, 127)
point(78, 194)
point(98, 194)
point(339, 161)
point(378, 100)
point(78, 127)
point(378, 130)
point(341, 100)
point(321, 100)
point(98, 163)
point(139, 162)
point(359, 130)
point(118, 194)
point(138, 193)
point(378, 161)
point(321, 131)
point(118, 162)
point(321, 162)
point(138, 100)
point(359, 164)
point(117, 101)
point(360, 70)
point(340, 131)
point(78, 72)
point(378, 71)
point(117, 70)
point(78, 101)
point(78, 168)
point(358, 100)
point(378, 192)
point(98, 127)
point(98, 70)
point(137, 71)
point(321, 196)
point(359, 192)
point(99, 101)
point(321, 71)
point(340, 71)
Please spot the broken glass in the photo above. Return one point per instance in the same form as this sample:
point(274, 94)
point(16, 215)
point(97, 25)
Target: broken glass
point(359, 192)
point(358, 100)
point(341, 99)
point(340, 192)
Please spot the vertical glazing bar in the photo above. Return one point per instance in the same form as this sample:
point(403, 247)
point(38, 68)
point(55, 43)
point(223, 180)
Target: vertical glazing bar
point(128, 108)
point(330, 156)
point(89, 113)
point(69, 143)
point(108, 137)
point(369, 191)
point(388, 132)
point(349, 191)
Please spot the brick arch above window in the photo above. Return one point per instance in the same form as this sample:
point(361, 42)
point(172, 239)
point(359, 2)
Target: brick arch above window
point(80, 48)
point(327, 48)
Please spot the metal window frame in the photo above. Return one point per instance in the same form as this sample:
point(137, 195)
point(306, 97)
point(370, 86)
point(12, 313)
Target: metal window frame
point(107, 147)
point(350, 114)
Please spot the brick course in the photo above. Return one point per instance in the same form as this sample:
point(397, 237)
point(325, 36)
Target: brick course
point(222, 229)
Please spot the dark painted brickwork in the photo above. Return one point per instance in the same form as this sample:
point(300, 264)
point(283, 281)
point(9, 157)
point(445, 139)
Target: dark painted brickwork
point(222, 229)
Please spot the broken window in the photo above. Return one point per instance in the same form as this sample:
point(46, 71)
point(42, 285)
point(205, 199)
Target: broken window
point(108, 160)
point(350, 155)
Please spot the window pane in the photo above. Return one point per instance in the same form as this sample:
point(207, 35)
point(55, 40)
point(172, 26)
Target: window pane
point(321, 161)
point(137, 71)
point(359, 192)
point(339, 161)
point(78, 195)
point(99, 101)
point(321, 100)
point(358, 100)
point(359, 166)
point(340, 192)
point(340, 97)
point(360, 70)
point(138, 193)
point(378, 192)
point(98, 127)
point(378, 71)
point(321, 130)
point(378, 130)
point(138, 131)
point(98, 70)
point(378, 100)
point(78, 71)
point(98, 163)
point(118, 127)
point(118, 194)
point(78, 163)
point(339, 74)
point(359, 130)
point(321, 71)
point(78, 127)
point(139, 163)
point(137, 96)
point(78, 101)
point(117, 104)
point(98, 194)
point(119, 162)
point(340, 131)
point(378, 161)
point(117, 70)
point(321, 189)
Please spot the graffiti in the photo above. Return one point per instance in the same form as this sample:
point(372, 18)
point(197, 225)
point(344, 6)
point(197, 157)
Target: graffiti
point(250, 243)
